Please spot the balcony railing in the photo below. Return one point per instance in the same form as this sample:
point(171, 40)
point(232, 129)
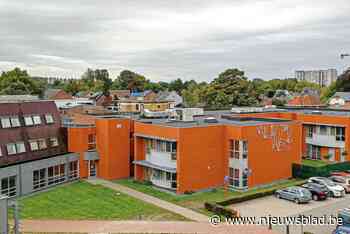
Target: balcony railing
point(325, 140)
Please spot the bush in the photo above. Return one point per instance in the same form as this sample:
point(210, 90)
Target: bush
point(305, 171)
point(220, 210)
point(144, 182)
point(251, 196)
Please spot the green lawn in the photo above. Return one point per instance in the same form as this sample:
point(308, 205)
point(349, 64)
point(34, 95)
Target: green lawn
point(83, 201)
point(196, 201)
point(314, 163)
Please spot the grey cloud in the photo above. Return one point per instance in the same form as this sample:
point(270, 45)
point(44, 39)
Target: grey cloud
point(170, 39)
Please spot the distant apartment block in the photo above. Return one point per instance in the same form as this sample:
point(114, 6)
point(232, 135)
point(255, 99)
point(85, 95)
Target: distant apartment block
point(321, 77)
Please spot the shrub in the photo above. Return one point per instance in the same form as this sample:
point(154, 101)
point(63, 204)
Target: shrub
point(220, 210)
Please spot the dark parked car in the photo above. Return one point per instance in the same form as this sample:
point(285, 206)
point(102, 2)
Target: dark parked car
point(342, 230)
point(295, 193)
point(318, 191)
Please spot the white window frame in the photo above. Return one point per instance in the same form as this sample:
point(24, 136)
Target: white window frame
point(15, 121)
point(53, 142)
point(34, 146)
point(13, 150)
point(49, 119)
point(42, 144)
point(36, 119)
point(6, 124)
point(28, 120)
point(20, 147)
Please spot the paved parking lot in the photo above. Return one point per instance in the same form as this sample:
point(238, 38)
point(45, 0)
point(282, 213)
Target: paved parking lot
point(282, 208)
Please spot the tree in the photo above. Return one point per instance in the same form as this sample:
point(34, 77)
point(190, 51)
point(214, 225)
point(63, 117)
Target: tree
point(230, 88)
point(96, 80)
point(131, 80)
point(72, 87)
point(176, 85)
point(18, 81)
point(193, 95)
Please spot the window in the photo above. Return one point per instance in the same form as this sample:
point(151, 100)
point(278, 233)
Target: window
point(5, 122)
point(49, 118)
point(36, 119)
point(73, 170)
point(15, 148)
point(9, 186)
point(310, 131)
point(245, 149)
point(340, 134)
point(234, 177)
point(91, 141)
point(56, 174)
point(53, 141)
point(33, 145)
point(39, 179)
point(173, 156)
point(42, 144)
point(20, 147)
point(234, 149)
point(11, 148)
point(323, 130)
point(28, 120)
point(156, 174)
point(245, 178)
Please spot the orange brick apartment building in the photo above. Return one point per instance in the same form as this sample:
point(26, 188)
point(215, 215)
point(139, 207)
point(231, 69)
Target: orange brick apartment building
point(199, 155)
point(242, 149)
point(325, 133)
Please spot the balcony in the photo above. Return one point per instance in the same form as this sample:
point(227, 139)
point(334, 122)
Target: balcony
point(324, 140)
point(165, 159)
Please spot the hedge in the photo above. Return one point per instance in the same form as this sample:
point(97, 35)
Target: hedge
point(305, 171)
point(251, 196)
point(220, 210)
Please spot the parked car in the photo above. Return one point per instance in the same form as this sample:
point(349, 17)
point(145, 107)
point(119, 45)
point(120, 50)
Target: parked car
point(318, 191)
point(345, 227)
point(342, 230)
point(342, 181)
point(295, 193)
point(340, 173)
point(334, 189)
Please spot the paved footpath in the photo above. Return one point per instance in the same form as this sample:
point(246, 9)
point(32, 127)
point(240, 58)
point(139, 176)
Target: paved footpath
point(66, 226)
point(187, 213)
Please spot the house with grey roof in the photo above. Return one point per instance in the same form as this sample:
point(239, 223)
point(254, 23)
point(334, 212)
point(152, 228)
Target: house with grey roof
point(170, 96)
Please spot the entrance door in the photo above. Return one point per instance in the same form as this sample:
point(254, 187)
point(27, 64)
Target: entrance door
point(331, 152)
point(342, 155)
point(92, 168)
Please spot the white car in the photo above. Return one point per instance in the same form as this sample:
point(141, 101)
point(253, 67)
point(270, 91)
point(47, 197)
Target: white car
point(334, 189)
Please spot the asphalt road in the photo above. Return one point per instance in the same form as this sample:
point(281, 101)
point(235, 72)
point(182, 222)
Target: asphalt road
point(281, 208)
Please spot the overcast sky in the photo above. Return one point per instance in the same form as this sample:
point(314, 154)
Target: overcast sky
point(165, 39)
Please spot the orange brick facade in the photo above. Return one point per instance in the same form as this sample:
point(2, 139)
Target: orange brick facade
point(200, 156)
point(112, 146)
point(203, 154)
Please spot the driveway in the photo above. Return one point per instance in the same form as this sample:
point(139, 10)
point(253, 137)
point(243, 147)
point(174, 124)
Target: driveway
point(270, 205)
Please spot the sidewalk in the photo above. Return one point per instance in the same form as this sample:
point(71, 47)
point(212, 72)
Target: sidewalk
point(66, 226)
point(187, 213)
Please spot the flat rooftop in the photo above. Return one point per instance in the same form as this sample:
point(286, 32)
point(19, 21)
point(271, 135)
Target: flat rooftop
point(204, 121)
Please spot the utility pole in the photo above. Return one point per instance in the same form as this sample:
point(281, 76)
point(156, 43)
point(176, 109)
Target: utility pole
point(4, 227)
